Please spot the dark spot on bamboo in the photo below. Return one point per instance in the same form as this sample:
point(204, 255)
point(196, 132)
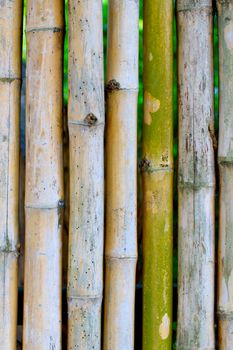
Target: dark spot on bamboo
point(144, 165)
point(90, 119)
point(212, 135)
point(112, 85)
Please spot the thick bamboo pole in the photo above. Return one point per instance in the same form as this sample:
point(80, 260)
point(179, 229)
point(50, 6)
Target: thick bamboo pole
point(157, 172)
point(86, 128)
point(44, 179)
point(121, 184)
point(225, 160)
point(10, 76)
point(196, 176)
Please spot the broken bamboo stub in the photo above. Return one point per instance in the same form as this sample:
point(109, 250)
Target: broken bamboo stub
point(196, 176)
point(225, 160)
point(10, 80)
point(44, 179)
point(121, 182)
point(157, 174)
point(86, 142)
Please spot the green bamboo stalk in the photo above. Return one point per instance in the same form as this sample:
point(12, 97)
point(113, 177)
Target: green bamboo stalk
point(157, 174)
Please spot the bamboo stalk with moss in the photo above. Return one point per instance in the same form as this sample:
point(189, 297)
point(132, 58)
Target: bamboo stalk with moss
point(196, 175)
point(10, 81)
point(157, 174)
point(86, 142)
point(121, 182)
point(225, 161)
point(44, 176)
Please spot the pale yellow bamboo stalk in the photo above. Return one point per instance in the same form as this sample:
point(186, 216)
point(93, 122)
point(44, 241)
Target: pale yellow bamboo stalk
point(44, 179)
point(196, 176)
point(225, 160)
point(86, 128)
point(10, 76)
point(121, 185)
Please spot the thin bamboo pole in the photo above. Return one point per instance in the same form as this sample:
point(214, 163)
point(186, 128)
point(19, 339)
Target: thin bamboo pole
point(196, 176)
point(225, 160)
point(86, 128)
point(157, 173)
point(121, 180)
point(44, 179)
point(10, 76)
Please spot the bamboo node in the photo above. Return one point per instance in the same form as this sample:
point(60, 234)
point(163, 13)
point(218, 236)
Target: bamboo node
point(113, 85)
point(90, 119)
point(145, 164)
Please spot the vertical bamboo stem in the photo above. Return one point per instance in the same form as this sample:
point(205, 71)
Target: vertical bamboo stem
point(196, 176)
point(121, 184)
point(225, 160)
point(86, 128)
point(44, 179)
point(10, 76)
point(157, 171)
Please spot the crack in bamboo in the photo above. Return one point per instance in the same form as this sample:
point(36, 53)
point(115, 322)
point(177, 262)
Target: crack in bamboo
point(86, 297)
point(45, 29)
point(85, 124)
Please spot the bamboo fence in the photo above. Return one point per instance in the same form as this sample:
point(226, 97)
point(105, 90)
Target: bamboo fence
point(80, 245)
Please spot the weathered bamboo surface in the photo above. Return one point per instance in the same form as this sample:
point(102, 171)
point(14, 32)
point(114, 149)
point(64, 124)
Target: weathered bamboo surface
point(44, 179)
point(86, 129)
point(157, 173)
point(225, 160)
point(196, 176)
point(121, 179)
point(10, 80)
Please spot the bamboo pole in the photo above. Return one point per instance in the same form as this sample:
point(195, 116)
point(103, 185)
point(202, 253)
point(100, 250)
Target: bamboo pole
point(44, 179)
point(86, 128)
point(196, 176)
point(121, 179)
point(157, 173)
point(10, 80)
point(225, 160)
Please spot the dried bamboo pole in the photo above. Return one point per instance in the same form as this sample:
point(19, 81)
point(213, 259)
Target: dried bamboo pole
point(196, 176)
point(10, 77)
point(44, 178)
point(121, 184)
point(157, 173)
point(225, 160)
point(86, 128)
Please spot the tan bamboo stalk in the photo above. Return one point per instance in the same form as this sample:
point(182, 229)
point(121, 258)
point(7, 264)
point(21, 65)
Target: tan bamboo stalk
point(121, 182)
point(44, 179)
point(10, 76)
point(196, 176)
point(157, 174)
point(86, 128)
point(225, 160)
